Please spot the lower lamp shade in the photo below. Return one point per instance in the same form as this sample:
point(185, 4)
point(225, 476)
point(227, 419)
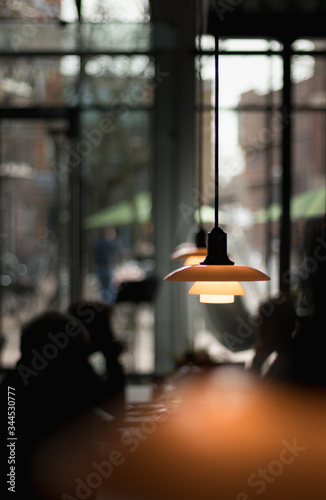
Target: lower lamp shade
point(216, 288)
point(216, 292)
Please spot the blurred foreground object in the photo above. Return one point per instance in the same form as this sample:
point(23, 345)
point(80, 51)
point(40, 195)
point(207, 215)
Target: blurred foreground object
point(223, 436)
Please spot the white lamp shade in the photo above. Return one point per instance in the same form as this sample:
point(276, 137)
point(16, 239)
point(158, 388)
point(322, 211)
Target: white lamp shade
point(216, 299)
point(216, 288)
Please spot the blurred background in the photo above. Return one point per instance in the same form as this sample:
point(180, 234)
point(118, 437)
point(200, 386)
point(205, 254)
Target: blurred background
point(102, 106)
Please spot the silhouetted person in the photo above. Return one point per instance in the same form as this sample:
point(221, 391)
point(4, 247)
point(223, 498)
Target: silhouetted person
point(106, 256)
point(309, 339)
point(275, 325)
point(97, 318)
point(54, 387)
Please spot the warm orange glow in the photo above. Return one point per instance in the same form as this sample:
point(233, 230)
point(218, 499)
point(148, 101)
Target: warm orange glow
point(216, 288)
point(216, 292)
point(216, 299)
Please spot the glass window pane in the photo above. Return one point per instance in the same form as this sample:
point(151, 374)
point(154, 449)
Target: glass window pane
point(309, 45)
point(66, 10)
point(117, 193)
point(256, 190)
point(308, 202)
point(205, 95)
point(119, 80)
point(116, 37)
point(116, 10)
point(309, 80)
point(259, 76)
point(50, 81)
point(255, 75)
point(114, 148)
point(207, 43)
point(37, 36)
point(34, 224)
point(110, 81)
point(45, 36)
point(250, 132)
point(41, 9)
point(257, 44)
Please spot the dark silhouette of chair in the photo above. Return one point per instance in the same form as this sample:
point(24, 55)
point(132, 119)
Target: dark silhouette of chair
point(138, 291)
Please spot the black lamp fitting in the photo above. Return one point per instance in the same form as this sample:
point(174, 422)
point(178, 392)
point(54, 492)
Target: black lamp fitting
point(216, 248)
point(200, 238)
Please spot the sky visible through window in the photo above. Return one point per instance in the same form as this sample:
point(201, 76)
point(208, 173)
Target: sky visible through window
point(240, 74)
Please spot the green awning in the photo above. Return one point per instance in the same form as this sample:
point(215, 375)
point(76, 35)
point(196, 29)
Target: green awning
point(273, 213)
point(138, 210)
point(304, 205)
point(309, 204)
point(133, 211)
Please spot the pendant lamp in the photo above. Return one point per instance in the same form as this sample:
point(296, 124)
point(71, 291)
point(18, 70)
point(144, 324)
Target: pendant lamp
point(192, 253)
point(216, 268)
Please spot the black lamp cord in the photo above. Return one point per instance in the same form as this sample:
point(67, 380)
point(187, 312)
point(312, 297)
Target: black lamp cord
point(216, 162)
point(217, 239)
point(200, 111)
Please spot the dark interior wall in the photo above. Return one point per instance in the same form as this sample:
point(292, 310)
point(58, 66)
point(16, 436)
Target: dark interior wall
point(263, 18)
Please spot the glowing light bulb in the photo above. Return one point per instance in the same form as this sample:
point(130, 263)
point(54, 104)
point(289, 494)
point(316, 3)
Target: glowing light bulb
point(216, 299)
